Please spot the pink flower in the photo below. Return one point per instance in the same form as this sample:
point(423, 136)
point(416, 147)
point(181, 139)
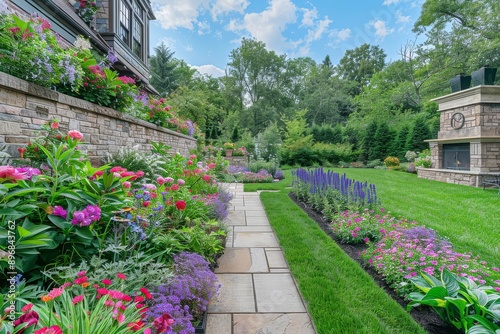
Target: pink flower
point(181, 182)
point(160, 180)
point(54, 125)
point(146, 293)
point(75, 134)
point(495, 269)
point(127, 185)
point(175, 187)
point(145, 204)
point(77, 299)
point(139, 173)
point(206, 177)
point(163, 323)
point(59, 211)
point(49, 330)
point(211, 165)
point(81, 273)
point(11, 173)
point(27, 307)
point(121, 276)
point(106, 281)
point(192, 156)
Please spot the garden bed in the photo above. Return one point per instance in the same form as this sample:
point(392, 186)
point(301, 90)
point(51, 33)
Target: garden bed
point(425, 317)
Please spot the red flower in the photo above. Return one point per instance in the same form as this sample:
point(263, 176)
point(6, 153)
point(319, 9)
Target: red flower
point(146, 204)
point(206, 177)
point(121, 276)
point(49, 330)
point(163, 323)
point(190, 162)
point(106, 281)
point(54, 125)
point(175, 187)
point(180, 205)
point(135, 326)
point(146, 293)
point(139, 299)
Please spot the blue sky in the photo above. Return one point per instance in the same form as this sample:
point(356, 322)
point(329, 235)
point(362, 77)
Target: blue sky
point(203, 32)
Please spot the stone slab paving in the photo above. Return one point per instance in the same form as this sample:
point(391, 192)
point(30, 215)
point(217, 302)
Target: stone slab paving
point(258, 294)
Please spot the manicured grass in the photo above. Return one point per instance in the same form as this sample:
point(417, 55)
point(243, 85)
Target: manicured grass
point(341, 297)
point(469, 217)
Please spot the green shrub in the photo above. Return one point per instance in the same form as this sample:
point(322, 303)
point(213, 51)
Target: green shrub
point(391, 162)
point(374, 163)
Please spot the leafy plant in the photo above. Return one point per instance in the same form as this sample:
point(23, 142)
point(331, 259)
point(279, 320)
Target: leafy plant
point(459, 301)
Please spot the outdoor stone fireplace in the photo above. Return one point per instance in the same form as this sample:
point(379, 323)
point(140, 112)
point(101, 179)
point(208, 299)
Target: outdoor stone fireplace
point(467, 149)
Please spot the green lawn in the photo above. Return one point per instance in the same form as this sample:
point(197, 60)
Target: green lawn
point(341, 297)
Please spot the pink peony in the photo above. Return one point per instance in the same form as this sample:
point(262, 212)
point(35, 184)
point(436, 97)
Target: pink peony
point(49, 330)
point(11, 173)
point(163, 323)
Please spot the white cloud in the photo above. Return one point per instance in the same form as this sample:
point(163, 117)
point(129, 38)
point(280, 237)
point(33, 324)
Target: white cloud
point(389, 2)
point(188, 48)
point(341, 35)
point(178, 14)
point(309, 16)
point(268, 25)
point(400, 18)
point(203, 27)
point(210, 69)
point(314, 35)
point(381, 29)
point(227, 6)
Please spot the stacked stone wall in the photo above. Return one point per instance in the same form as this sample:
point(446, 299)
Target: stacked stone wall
point(24, 107)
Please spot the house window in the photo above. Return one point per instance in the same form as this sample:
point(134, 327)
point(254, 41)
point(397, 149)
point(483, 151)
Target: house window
point(132, 29)
point(125, 23)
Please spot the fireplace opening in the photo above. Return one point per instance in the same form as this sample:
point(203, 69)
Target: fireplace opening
point(456, 156)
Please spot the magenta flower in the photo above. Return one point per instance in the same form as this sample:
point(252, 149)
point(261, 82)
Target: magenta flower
point(59, 211)
point(86, 216)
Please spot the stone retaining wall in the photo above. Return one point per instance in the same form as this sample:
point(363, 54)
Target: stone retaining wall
point(24, 107)
point(451, 176)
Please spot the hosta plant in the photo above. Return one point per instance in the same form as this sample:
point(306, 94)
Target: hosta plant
point(459, 300)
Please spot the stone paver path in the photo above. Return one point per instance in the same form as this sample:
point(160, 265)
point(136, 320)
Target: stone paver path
point(258, 294)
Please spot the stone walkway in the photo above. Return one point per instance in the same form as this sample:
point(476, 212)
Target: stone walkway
point(258, 295)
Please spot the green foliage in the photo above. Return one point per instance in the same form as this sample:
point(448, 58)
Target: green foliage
point(381, 142)
point(418, 134)
point(268, 143)
point(368, 140)
point(163, 70)
point(359, 65)
point(151, 164)
point(424, 159)
point(459, 301)
point(399, 145)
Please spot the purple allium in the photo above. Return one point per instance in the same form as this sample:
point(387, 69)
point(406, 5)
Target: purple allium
point(59, 211)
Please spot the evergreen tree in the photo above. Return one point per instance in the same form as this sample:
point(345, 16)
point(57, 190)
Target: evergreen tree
point(163, 70)
point(381, 143)
point(399, 146)
point(419, 133)
point(235, 135)
point(337, 134)
point(368, 139)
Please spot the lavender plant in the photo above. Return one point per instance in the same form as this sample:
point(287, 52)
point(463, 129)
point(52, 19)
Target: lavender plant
point(186, 296)
point(341, 192)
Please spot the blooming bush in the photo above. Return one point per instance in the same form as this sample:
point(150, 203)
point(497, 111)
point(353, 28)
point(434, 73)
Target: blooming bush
point(30, 51)
point(424, 159)
point(391, 162)
point(82, 306)
point(404, 252)
point(366, 226)
point(188, 293)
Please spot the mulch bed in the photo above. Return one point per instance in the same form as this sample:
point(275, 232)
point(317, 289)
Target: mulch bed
point(424, 316)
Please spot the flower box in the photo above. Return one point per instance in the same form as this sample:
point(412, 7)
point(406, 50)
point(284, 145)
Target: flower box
point(202, 327)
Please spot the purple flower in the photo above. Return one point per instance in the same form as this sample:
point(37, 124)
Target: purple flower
point(29, 171)
point(191, 128)
point(112, 58)
point(86, 216)
point(59, 211)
